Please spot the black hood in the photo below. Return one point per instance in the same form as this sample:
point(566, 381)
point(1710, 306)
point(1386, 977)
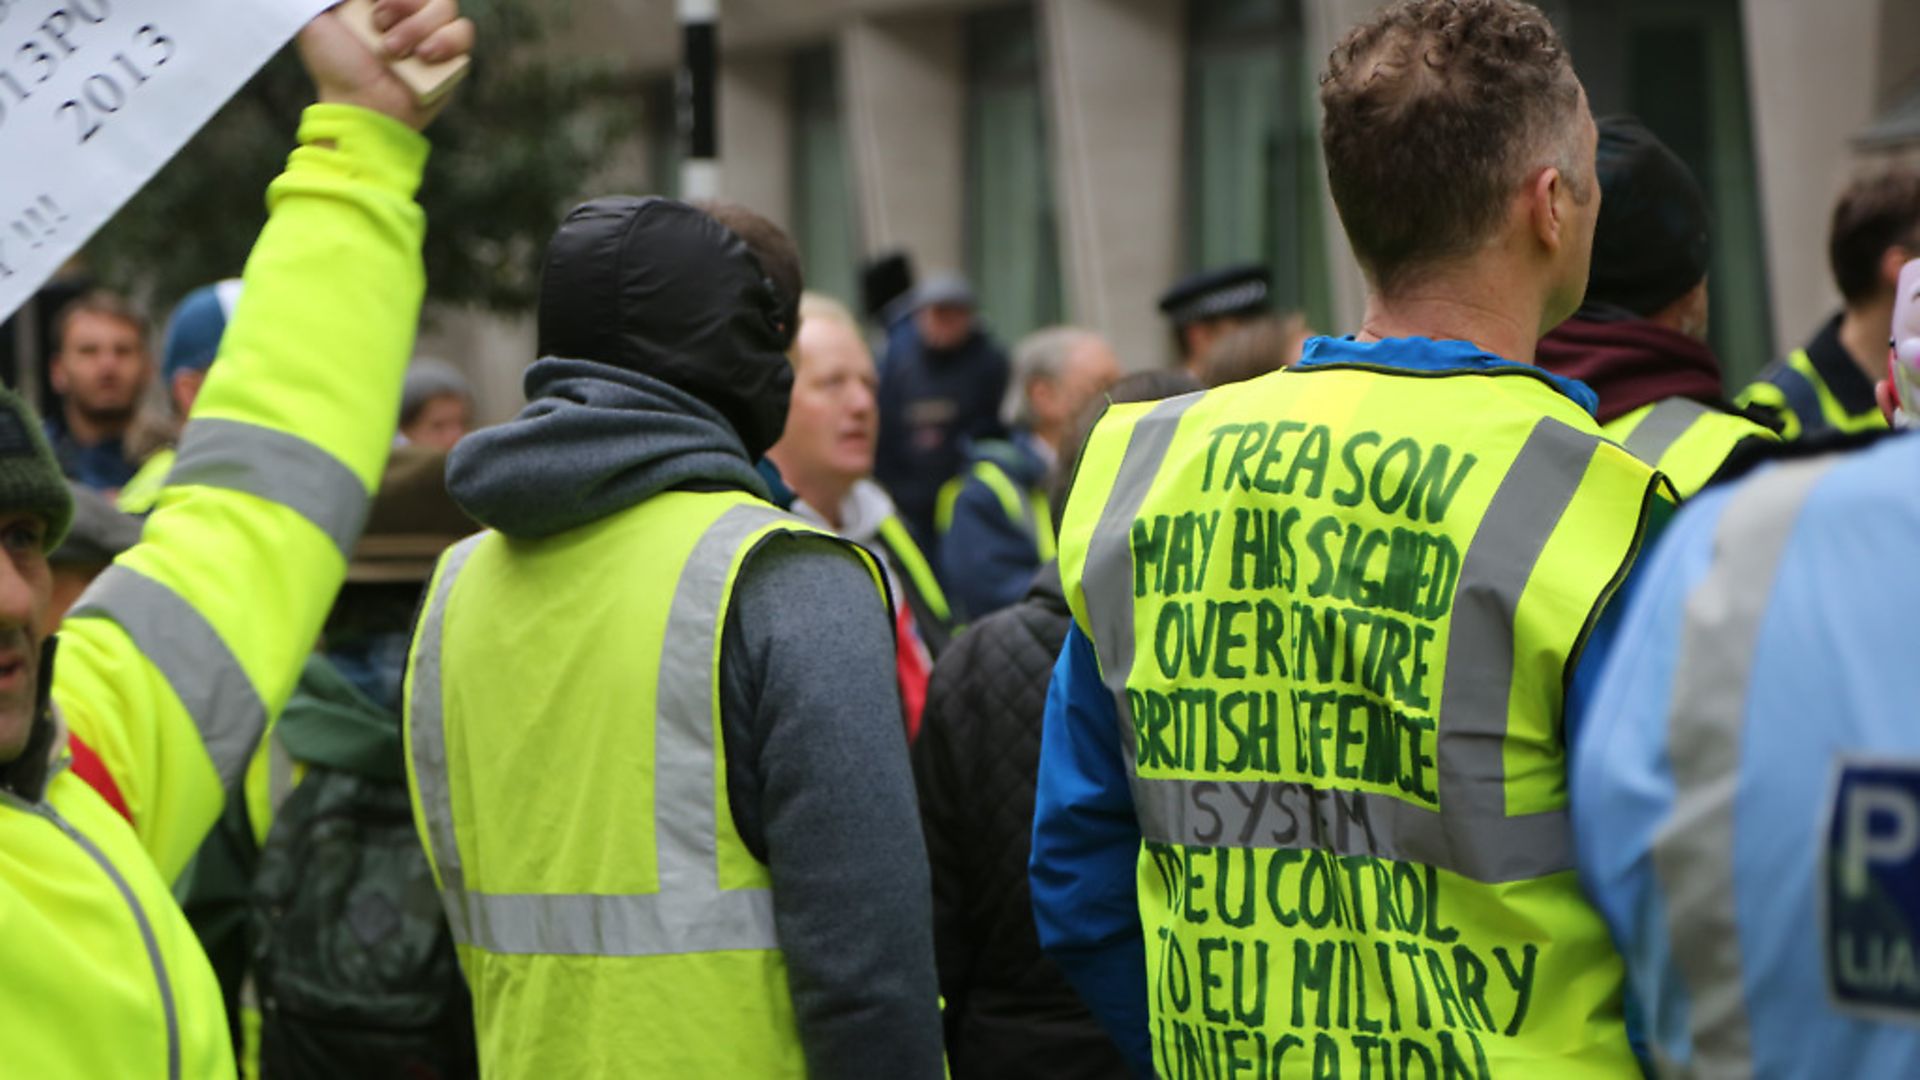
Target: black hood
point(657, 287)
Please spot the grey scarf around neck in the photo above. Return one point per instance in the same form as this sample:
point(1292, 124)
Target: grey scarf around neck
point(592, 441)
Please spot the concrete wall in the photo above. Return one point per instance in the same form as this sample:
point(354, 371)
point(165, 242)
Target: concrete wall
point(639, 34)
point(1812, 84)
point(1115, 84)
point(1325, 23)
point(756, 137)
point(903, 80)
point(493, 350)
point(1899, 60)
point(1116, 70)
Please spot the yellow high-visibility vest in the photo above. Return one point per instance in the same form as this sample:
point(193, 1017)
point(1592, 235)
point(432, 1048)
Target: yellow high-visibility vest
point(1030, 511)
point(176, 660)
point(1796, 392)
point(920, 581)
point(569, 778)
point(1338, 609)
point(1687, 441)
point(140, 493)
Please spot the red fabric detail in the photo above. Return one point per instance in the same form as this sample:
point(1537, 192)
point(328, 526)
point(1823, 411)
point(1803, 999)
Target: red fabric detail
point(88, 766)
point(1631, 363)
point(914, 665)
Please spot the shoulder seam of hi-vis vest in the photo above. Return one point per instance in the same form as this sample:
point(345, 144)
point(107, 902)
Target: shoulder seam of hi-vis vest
point(1693, 852)
point(691, 913)
point(1493, 846)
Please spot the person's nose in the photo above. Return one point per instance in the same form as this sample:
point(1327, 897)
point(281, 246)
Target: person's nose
point(863, 401)
point(16, 596)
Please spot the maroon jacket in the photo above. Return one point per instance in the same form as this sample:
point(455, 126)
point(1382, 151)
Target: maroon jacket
point(1632, 362)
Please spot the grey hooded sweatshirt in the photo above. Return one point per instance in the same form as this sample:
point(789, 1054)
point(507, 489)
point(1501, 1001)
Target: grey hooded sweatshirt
point(817, 771)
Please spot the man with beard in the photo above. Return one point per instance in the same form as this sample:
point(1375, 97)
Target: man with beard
point(101, 368)
point(177, 659)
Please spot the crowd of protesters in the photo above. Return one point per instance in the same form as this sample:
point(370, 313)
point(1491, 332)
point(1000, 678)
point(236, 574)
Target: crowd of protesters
point(1488, 690)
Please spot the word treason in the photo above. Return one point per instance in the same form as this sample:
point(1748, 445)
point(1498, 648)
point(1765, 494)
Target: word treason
point(1403, 476)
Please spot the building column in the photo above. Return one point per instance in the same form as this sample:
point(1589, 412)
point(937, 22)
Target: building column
point(1802, 123)
point(905, 96)
point(1325, 23)
point(756, 136)
point(1116, 88)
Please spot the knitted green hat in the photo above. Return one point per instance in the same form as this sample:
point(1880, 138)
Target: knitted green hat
point(29, 477)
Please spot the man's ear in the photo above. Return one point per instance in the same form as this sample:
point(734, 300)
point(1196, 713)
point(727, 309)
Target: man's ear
point(1891, 262)
point(1545, 195)
point(57, 374)
point(186, 384)
point(1043, 394)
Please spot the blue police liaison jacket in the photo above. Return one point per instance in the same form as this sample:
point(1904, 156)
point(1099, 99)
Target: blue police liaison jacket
point(1746, 790)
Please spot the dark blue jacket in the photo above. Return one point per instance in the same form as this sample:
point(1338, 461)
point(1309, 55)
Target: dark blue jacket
point(102, 466)
point(931, 404)
point(987, 559)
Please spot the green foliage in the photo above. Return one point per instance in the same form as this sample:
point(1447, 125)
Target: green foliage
point(509, 155)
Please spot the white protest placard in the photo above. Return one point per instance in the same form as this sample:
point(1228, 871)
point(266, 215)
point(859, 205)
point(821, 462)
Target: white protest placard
point(97, 95)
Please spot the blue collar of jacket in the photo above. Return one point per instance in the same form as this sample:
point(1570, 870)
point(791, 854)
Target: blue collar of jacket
point(1428, 355)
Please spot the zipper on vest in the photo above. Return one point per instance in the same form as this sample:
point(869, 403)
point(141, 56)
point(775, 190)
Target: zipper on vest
point(146, 930)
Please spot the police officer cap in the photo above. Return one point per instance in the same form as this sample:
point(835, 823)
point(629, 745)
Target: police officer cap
point(1211, 294)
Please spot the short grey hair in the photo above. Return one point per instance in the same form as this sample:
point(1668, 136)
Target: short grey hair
point(1040, 355)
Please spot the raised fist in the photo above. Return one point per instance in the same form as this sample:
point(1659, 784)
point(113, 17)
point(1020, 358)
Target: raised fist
point(347, 72)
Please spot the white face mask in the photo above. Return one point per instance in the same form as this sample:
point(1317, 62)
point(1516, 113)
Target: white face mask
point(1906, 346)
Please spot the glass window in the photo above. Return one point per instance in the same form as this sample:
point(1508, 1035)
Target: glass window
point(1013, 250)
point(823, 202)
point(1253, 155)
point(1680, 66)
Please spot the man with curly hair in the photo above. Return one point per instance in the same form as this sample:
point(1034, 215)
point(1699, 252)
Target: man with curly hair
point(1311, 718)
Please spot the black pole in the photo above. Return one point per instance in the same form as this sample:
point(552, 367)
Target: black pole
point(699, 118)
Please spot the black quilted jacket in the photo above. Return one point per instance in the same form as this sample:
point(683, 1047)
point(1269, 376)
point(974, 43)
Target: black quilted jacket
point(1009, 1012)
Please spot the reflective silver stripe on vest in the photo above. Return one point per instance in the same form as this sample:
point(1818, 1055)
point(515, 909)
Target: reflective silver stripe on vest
point(427, 736)
point(690, 913)
point(1693, 849)
point(188, 651)
point(279, 774)
point(1662, 427)
point(1107, 578)
point(155, 958)
point(1473, 836)
point(1484, 843)
point(278, 467)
